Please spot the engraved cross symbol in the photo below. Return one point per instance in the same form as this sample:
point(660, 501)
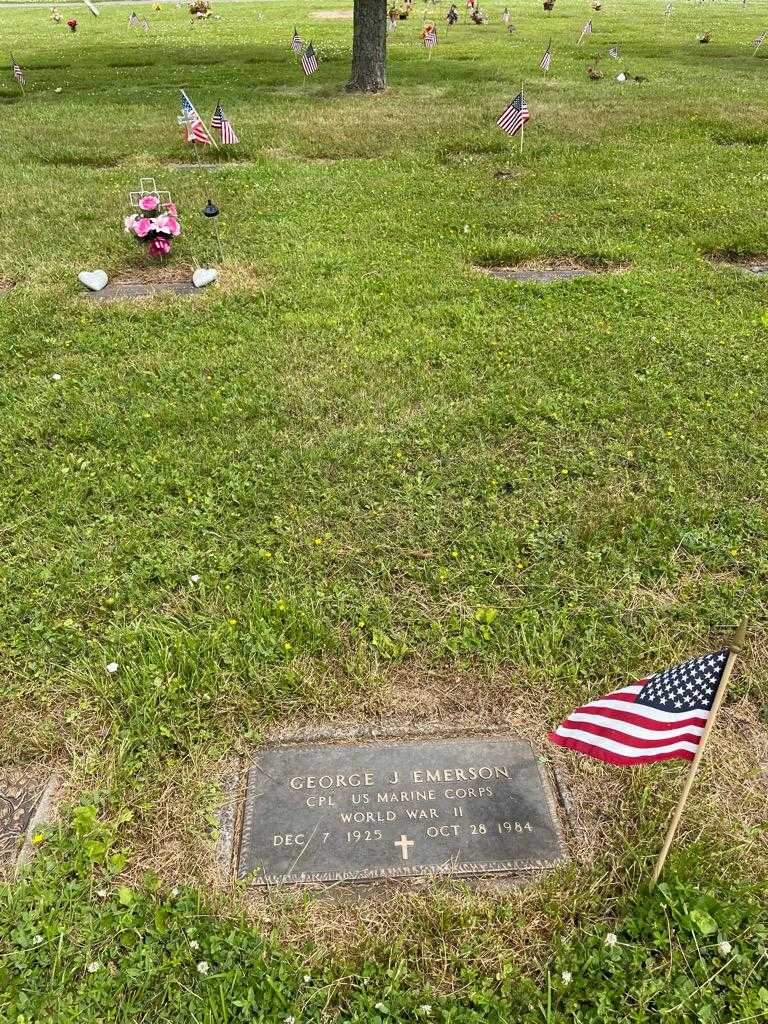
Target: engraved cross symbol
point(404, 843)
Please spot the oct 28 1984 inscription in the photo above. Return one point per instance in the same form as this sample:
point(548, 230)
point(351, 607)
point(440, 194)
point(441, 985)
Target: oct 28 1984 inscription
point(351, 813)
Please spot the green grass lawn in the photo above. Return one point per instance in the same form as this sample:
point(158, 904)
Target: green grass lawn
point(412, 493)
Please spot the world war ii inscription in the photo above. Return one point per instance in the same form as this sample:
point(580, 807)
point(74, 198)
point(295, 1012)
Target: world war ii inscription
point(350, 813)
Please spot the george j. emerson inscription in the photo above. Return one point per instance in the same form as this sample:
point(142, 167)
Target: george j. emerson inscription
point(457, 807)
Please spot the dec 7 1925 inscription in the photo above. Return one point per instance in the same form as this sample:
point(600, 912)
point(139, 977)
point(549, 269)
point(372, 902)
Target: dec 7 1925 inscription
point(349, 813)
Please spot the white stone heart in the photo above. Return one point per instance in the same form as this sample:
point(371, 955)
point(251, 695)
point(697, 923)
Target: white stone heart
point(203, 276)
point(94, 280)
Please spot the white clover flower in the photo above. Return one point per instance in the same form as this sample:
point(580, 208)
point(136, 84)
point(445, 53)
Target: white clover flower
point(101, 893)
point(290, 1019)
point(567, 977)
point(724, 947)
point(174, 892)
point(380, 1007)
point(195, 578)
point(426, 1009)
point(55, 376)
point(611, 939)
point(37, 940)
point(194, 944)
point(203, 967)
point(307, 978)
point(93, 967)
point(112, 667)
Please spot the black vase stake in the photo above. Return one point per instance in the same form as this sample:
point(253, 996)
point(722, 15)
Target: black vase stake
point(211, 211)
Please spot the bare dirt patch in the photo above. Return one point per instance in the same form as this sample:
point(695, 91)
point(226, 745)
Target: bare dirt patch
point(741, 137)
point(90, 160)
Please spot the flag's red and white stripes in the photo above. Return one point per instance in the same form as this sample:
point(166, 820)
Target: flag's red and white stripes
point(616, 729)
point(228, 137)
point(197, 132)
point(515, 116)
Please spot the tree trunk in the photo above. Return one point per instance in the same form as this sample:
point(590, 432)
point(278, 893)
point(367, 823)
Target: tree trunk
point(369, 47)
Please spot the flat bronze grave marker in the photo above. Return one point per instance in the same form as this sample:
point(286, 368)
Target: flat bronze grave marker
point(141, 290)
point(545, 276)
point(354, 813)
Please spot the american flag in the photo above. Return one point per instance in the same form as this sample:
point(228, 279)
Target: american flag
point(220, 122)
point(309, 63)
point(133, 20)
point(515, 116)
point(587, 30)
point(18, 74)
point(145, 24)
point(759, 40)
point(654, 720)
point(614, 52)
point(193, 123)
point(430, 38)
point(392, 25)
point(546, 61)
point(296, 44)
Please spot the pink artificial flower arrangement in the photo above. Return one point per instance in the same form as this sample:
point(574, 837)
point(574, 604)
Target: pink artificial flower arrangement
point(157, 224)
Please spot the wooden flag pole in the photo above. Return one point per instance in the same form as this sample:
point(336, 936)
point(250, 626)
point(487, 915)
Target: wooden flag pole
point(734, 651)
point(758, 47)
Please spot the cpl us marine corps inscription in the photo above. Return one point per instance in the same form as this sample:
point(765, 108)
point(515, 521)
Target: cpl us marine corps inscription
point(452, 807)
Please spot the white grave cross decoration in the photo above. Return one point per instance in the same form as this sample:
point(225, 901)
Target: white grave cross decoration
point(147, 187)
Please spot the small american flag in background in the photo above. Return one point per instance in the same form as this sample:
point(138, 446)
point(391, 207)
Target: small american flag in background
point(220, 122)
point(193, 123)
point(587, 30)
point(392, 25)
point(296, 44)
point(18, 74)
point(430, 38)
point(546, 61)
point(515, 116)
point(657, 719)
point(133, 20)
point(759, 40)
point(309, 64)
point(145, 24)
point(614, 52)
